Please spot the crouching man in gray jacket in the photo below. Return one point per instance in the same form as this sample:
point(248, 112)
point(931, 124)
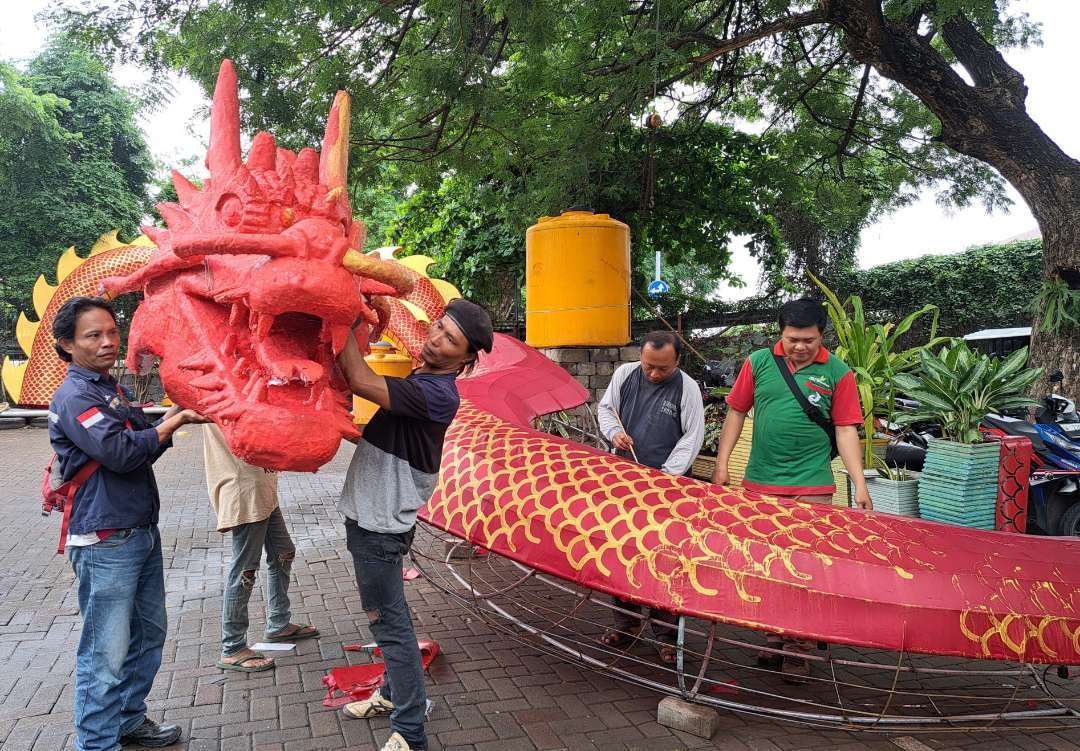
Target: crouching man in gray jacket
point(652, 413)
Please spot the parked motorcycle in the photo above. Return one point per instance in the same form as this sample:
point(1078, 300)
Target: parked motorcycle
point(1054, 506)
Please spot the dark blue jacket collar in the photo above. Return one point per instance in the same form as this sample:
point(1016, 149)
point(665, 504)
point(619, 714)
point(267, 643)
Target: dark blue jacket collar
point(89, 375)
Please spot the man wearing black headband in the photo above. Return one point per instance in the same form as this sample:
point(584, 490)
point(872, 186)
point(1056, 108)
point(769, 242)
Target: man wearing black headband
point(392, 474)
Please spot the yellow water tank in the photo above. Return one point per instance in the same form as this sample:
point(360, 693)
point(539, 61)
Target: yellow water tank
point(577, 281)
point(386, 361)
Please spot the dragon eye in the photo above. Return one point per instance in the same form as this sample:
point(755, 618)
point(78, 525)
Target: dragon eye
point(230, 209)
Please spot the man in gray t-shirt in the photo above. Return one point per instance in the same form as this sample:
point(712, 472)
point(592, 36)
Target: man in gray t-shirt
point(652, 413)
point(392, 474)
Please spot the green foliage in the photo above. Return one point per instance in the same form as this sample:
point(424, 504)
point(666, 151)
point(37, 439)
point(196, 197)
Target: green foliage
point(1057, 306)
point(542, 100)
point(73, 164)
point(989, 286)
point(873, 353)
point(714, 427)
point(711, 186)
point(889, 472)
point(958, 386)
point(476, 244)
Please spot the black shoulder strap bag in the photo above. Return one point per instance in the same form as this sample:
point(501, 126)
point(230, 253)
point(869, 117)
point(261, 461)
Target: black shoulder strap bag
point(814, 414)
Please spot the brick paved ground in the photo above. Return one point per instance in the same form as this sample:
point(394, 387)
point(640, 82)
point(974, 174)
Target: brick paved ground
point(490, 693)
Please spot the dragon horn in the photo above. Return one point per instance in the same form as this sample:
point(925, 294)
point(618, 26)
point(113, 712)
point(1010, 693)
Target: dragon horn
point(387, 272)
point(223, 156)
point(334, 159)
point(238, 244)
point(185, 189)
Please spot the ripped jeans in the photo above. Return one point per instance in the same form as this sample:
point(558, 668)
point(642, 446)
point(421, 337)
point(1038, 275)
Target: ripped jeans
point(248, 543)
point(377, 560)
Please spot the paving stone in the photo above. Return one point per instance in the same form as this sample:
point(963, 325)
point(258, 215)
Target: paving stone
point(490, 693)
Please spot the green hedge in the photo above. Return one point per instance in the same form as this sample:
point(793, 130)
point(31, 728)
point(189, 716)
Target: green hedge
point(988, 286)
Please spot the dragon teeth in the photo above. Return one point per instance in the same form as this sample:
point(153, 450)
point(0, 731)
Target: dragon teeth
point(325, 402)
point(237, 314)
point(196, 362)
point(228, 346)
point(263, 325)
point(257, 393)
point(250, 382)
point(208, 382)
point(339, 336)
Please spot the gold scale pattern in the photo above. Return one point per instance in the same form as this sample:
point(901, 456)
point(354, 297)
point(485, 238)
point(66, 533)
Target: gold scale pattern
point(675, 542)
point(44, 371)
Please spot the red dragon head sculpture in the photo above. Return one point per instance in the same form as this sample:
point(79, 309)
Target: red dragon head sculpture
point(254, 286)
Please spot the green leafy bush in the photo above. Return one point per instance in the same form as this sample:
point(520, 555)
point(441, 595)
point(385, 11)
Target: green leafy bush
point(874, 354)
point(958, 386)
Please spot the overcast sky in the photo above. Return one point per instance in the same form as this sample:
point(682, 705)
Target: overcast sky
point(179, 131)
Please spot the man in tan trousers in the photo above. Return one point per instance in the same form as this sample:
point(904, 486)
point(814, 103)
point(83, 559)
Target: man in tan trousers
point(245, 500)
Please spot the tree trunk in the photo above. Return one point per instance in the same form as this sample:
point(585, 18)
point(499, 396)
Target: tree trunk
point(986, 120)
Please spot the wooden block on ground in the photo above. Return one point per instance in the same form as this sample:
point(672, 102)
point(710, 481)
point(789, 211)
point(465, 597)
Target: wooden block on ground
point(690, 718)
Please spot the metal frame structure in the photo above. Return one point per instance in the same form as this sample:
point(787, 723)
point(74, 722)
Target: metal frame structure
point(849, 688)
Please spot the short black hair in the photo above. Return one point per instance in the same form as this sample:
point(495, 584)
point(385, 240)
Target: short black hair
point(661, 339)
point(803, 313)
point(64, 324)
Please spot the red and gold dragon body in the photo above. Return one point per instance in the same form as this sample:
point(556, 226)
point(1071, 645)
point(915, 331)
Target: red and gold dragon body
point(250, 294)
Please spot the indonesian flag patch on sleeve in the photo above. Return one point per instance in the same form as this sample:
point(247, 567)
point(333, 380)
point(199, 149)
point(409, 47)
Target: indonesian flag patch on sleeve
point(90, 417)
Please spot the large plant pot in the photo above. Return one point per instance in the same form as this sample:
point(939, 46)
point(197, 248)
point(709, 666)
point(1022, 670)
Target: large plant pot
point(900, 497)
point(959, 483)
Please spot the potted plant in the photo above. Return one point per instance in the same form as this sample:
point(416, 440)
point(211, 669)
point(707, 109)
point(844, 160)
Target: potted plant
point(715, 411)
point(872, 353)
point(894, 490)
point(956, 388)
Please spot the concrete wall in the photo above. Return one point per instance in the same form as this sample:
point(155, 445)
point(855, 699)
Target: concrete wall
point(592, 366)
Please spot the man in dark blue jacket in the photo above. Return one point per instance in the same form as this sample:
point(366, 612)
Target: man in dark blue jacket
point(113, 542)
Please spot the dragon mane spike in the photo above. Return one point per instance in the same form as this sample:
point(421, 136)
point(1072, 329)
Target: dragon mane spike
point(157, 234)
point(334, 160)
point(175, 217)
point(223, 156)
point(306, 168)
point(107, 241)
point(67, 263)
point(185, 189)
point(285, 165)
point(263, 154)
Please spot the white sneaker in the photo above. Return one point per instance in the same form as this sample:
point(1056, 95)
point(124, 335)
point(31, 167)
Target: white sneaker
point(374, 706)
point(396, 743)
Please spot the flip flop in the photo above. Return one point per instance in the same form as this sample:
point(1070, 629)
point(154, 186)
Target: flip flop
point(299, 634)
point(240, 666)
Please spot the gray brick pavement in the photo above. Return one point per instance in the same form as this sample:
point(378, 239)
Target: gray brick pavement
point(490, 693)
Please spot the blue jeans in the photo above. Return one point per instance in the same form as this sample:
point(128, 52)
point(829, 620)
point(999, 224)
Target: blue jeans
point(377, 559)
point(122, 601)
point(248, 543)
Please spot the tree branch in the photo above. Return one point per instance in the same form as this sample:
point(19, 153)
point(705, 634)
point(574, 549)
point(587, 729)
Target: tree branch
point(979, 58)
point(744, 40)
point(841, 147)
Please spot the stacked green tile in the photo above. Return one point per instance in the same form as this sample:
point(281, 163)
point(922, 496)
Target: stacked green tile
point(959, 484)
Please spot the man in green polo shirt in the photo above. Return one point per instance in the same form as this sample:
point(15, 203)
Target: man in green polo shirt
point(790, 454)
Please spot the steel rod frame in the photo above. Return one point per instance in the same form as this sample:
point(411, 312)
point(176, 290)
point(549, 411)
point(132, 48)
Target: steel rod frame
point(849, 688)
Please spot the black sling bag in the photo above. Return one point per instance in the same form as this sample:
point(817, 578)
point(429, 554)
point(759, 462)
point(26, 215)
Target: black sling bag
point(814, 414)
